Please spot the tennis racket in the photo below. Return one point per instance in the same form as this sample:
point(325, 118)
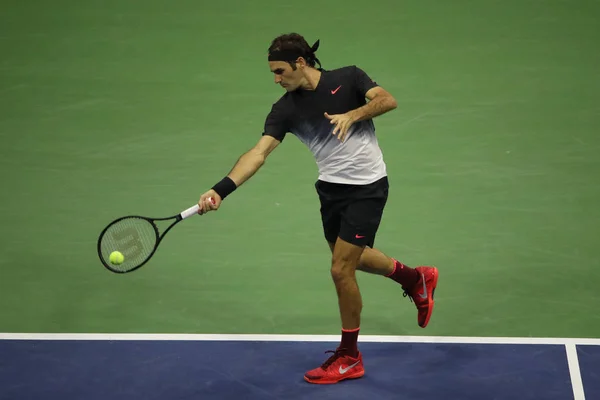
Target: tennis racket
point(137, 238)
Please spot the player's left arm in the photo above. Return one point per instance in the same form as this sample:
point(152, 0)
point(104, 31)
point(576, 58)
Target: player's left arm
point(380, 102)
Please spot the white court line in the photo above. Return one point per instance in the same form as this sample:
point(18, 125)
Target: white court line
point(298, 338)
point(576, 381)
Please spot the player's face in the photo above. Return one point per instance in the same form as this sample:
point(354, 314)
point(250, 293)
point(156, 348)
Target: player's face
point(285, 76)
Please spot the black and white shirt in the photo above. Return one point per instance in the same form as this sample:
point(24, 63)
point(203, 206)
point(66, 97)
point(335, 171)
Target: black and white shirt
point(358, 160)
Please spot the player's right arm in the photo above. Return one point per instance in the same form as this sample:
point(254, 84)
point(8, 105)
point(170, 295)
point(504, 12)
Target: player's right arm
point(246, 166)
point(251, 161)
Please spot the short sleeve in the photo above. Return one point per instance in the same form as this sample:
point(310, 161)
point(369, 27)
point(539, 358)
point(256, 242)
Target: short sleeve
point(276, 123)
point(363, 82)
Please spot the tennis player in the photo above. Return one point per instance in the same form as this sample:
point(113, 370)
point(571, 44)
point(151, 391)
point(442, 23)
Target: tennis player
point(327, 110)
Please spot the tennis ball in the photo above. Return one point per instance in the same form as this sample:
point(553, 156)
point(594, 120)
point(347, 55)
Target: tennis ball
point(116, 257)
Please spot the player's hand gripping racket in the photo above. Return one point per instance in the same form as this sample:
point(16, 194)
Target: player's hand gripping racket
point(136, 238)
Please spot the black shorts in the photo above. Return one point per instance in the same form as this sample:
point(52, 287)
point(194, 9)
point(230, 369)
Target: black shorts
point(352, 212)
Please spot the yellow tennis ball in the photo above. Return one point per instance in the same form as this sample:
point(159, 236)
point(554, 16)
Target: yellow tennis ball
point(116, 257)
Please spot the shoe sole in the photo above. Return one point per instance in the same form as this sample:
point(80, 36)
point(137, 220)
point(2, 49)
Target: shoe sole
point(431, 301)
point(355, 375)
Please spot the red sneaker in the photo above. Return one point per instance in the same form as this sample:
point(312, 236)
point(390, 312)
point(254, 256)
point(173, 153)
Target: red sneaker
point(422, 293)
point(337, 368)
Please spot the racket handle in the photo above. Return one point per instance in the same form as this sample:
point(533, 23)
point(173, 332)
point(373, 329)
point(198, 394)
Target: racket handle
point(192, 210)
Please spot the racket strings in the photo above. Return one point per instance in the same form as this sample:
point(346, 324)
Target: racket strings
point(134, 237)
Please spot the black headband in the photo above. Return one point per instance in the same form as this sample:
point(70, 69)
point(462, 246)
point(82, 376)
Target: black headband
point(292, 55)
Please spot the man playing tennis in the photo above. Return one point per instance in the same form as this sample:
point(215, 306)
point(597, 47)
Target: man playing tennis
point(328, 112)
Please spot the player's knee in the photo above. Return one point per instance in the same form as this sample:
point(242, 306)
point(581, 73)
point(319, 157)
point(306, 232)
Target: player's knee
point(342, 268)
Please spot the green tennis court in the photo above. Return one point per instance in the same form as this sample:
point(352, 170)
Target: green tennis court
point(111, 108)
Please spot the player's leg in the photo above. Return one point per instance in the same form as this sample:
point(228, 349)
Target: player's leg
point(343, 271)
point(345, 258)
point(346, 362)
point(418, 283)
point(335, 199)
point(373, 199)
point(358, 221)
point(374, 261)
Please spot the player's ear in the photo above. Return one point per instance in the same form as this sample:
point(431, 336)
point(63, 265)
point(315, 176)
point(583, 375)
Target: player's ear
point(301, 62)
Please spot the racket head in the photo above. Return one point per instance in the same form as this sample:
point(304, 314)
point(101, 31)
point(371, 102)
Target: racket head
point(135, 237)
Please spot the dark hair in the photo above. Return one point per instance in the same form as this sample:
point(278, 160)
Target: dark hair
point(296, 43)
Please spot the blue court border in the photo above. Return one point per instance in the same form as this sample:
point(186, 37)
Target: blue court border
point(126, 366)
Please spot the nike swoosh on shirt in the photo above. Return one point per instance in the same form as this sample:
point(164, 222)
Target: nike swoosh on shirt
point(335, 91)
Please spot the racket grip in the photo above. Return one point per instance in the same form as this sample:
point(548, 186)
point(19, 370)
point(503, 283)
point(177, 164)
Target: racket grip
point(193, 210)
point(190, 211)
